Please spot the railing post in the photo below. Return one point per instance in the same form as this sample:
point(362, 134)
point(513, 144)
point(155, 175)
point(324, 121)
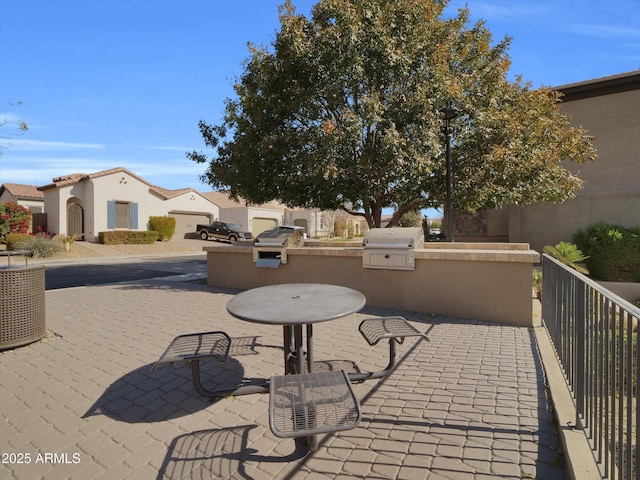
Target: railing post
point(580, 323)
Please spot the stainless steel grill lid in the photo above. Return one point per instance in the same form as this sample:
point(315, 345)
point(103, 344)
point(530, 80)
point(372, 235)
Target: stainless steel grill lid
point(270, 247)
point(401, 238)
point(280, 236)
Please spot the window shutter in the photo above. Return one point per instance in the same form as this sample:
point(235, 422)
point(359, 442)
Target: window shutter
point(111, 214)
point(134, 216)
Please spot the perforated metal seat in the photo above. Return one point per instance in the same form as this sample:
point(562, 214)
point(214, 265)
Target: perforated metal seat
point(307, 404)
point(196, 346)
point(396, 328)
point(379, 328)
point(193, 347)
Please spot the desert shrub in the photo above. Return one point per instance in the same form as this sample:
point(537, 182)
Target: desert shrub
point(14, 218)
point(612, 251)
point(614, 336)
point(165, 226)
point(537, 282)
point(15, 239)
point(130, 237)
point(67, 241)
point(569, 254)
point(40, 246)
point(70, 239)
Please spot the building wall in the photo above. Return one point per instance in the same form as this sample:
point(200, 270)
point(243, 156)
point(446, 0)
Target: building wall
point(189, 202)
point(94, 194)
point(51, 202)
point(119, 187)
point(305, 218)
point(34, 206)
point(611, 191)
point(609, 109)
point(245, 216)
point(272, 217)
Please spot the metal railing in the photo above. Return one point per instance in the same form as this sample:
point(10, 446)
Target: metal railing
point(593, 332)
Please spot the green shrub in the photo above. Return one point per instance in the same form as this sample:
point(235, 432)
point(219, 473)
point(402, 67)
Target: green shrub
point(569, 254)
point(613, 251)
point(130, 237)
point(621, 380)
point(537, 282)
point(14, 218)
point(15, 239)
point(165, 226)
point(40, 246)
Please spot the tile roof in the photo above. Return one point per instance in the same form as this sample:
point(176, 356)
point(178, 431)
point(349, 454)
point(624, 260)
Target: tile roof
point(223, 200)
point(70, 179)
point(166, 193)
point(23, 192)
point(73, 178)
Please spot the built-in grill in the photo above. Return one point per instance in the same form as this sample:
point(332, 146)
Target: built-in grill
point(391, 248)
point(270, 247)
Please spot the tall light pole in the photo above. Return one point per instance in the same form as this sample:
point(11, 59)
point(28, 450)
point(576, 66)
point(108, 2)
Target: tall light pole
point(449, 113)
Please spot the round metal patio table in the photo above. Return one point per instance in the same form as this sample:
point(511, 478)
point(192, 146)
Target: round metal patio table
point(294, 305)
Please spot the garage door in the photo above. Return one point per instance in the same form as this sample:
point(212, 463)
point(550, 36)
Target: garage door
point(259, 225)
point(186, 224)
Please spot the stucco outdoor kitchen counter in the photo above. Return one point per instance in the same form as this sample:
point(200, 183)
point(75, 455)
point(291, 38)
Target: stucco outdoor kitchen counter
point(491, 282)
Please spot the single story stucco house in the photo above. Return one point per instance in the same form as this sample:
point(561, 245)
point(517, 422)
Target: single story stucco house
point(87, 204)
point(27, 196)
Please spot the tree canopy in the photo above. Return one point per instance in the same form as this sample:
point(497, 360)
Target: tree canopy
point(342, 111)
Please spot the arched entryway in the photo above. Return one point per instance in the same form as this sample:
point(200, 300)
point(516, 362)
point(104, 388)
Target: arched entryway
point(75, 219)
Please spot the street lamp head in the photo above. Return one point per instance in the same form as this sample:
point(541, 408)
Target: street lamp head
point(449, 112)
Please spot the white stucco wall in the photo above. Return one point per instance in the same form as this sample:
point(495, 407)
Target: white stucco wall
point(245, 215)
point(51, 202)
point(119, 187)
point(188, 202)
point(32, 205)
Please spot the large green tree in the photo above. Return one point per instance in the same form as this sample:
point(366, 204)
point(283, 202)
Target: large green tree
point(343, 111)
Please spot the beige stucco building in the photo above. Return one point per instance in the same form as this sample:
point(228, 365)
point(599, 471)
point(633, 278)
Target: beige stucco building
point(87, 204)
point(27, 196)
point(609, 109)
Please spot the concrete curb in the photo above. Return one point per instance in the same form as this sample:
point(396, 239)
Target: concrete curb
point(581, 464)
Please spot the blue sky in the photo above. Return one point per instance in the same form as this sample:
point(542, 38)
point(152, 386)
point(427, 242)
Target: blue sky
point(111, 83)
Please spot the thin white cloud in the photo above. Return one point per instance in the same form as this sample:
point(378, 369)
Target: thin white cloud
point(604, 31)
point(170, 148)
point(169, 168)
point(41, 170)
point(510, 11)
point(34, 145)
point(8, 118)
point(502, 11)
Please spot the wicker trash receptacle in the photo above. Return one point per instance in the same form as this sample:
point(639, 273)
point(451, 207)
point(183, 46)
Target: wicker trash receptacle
point(22, 306)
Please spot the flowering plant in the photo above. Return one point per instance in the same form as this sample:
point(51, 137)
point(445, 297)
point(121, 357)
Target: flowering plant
point(14, 218)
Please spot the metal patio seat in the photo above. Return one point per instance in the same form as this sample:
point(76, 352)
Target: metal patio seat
point(379, 328)
point(393, 328)
point(194, 347)
point(303, 405)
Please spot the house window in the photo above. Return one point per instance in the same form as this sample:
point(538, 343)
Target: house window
point(123, 215)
